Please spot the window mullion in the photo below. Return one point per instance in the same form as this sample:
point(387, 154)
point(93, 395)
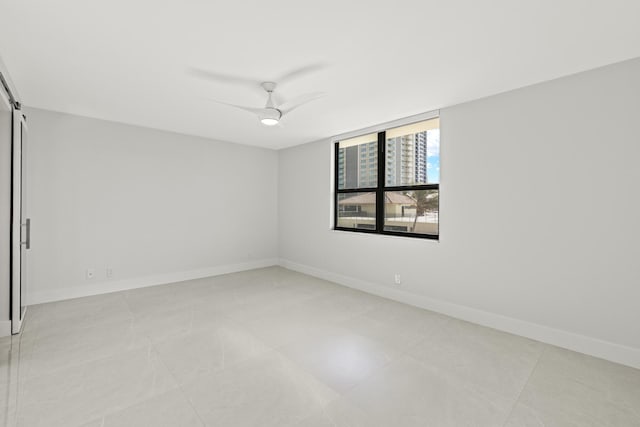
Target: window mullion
point(336, 177)
point(381, 179)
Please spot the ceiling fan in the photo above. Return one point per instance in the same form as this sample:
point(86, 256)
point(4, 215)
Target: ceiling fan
point(273, 111)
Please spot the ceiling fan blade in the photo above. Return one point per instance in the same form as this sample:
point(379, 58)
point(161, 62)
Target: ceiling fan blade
point(223, 78)
point(299, 101)
point(277, 99)
point(300, 72)
point(257, 111)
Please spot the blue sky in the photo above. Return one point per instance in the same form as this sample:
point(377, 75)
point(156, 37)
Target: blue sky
point(433, 156)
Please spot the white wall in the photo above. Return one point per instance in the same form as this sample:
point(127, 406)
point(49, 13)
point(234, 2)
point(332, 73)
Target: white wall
point(540, 217)
point(153, 206)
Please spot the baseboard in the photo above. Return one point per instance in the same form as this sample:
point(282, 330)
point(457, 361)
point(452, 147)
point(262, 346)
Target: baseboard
point(5, 328)
point(583, 344)
point(142, 282)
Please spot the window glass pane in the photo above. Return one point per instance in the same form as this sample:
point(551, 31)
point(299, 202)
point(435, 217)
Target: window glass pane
point(411, 211)
point(433, 156)
point(357, 162)
point(357, 210)
point(412, 154)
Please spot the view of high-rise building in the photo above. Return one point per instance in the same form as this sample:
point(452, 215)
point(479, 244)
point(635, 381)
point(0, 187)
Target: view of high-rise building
point(409, 159)
point(413, 154)
point(357, 166)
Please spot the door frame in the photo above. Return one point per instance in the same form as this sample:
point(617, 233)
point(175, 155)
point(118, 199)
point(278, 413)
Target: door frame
point(17, 313)
point(6, 105)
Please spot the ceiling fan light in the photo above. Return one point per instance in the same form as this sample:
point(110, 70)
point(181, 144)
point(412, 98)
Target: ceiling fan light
point(270, 116)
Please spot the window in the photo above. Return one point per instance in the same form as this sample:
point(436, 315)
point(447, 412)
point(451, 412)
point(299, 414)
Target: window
point(388, 182)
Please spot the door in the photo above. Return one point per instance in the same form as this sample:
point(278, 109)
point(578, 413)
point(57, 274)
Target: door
point(20, 223)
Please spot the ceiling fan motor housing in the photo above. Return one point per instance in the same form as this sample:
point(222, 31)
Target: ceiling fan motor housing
point(270, 116)
point(270, 113)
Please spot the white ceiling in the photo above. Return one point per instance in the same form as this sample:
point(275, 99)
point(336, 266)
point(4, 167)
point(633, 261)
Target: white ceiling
point(127, 60)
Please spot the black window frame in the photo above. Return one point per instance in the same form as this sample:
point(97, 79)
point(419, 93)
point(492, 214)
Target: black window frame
point(379, 190)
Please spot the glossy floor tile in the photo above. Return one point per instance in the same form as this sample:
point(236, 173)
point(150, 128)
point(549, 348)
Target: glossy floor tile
point(571, 389)
point(482, 357)
point(169, 409)
point(272, 347)
point(409, 393)
point(268, 390)
point(76, 394)
point(190, 356)
point(339, 357)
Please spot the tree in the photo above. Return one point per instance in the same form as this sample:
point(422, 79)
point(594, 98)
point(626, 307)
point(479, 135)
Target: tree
point(426, 200)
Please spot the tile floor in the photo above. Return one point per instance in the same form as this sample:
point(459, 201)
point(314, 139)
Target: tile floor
point(272, 347)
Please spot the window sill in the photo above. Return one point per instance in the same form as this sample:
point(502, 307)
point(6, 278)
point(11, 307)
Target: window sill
point(389, 234)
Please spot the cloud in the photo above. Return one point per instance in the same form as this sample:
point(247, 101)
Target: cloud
point(433, 142)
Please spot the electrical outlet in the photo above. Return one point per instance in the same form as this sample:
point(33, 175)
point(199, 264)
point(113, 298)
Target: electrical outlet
point(397, 279)
point(90, 273)
point(109, 272)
